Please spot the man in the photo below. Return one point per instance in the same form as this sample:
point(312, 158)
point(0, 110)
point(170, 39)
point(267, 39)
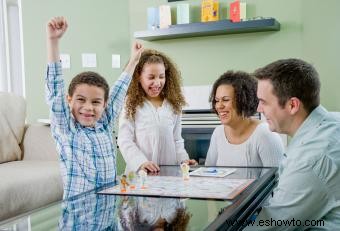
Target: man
point(308, 191)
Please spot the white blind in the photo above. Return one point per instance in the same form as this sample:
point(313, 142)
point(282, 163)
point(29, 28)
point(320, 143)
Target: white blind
point(11, 53)
point(3, 46)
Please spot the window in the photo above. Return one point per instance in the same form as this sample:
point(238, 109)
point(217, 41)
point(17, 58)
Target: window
point(11, 49)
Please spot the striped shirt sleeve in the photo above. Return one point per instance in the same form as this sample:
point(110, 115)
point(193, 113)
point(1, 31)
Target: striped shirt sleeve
point(116, 99)
point(56, 97)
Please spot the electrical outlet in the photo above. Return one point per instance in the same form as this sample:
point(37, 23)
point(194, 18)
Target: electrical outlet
point(65, 61)
point(89, 60)
point(115, 61)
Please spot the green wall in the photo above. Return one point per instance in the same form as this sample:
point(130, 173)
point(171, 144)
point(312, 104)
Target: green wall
point(100, 27)
point(309, 30)
point(320, 45)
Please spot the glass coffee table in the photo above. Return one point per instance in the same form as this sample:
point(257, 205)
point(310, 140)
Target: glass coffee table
point(94, 211)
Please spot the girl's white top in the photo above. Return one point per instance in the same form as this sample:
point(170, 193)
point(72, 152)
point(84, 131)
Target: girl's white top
point(154, 135)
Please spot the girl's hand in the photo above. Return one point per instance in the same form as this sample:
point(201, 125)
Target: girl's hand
point(56, 27)
point(150, 166)
point(190, 162)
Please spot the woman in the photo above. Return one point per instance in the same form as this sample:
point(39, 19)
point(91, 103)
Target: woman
point(241, 140)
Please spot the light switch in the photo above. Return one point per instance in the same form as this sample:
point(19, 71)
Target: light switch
point(65, 61)
point(89, 60)
point(115, 61)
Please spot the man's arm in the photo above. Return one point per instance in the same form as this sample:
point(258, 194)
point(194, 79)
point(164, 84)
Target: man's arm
point(299, 196)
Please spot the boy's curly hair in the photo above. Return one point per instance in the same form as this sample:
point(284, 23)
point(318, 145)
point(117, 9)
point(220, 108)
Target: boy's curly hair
point(90, 78)
point(172, 91)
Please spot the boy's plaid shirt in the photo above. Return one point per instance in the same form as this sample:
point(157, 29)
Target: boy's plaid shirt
point(87, 154)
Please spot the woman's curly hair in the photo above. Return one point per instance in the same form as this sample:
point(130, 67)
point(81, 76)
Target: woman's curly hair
point(245, 87)
point(172, 91)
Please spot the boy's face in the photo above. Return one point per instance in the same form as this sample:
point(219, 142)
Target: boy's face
point(87, 104)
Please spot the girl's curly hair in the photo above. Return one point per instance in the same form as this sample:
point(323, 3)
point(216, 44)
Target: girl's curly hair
point(172, 91)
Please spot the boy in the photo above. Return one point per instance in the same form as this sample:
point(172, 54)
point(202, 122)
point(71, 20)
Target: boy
point(82, 124)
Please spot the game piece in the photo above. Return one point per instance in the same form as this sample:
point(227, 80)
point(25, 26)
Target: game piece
point(185, 171)
point(123, 183)
point(142, 178)
point(132, 179)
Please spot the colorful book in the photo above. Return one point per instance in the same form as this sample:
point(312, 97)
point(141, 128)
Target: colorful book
point(183, 13)
point(209, 10)
point(243, 10)
point(237, 11)
point(153, 18)
point(164, 16)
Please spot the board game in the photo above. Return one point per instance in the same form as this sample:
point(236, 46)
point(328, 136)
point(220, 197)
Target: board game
point(195, 187)
point(212, 172)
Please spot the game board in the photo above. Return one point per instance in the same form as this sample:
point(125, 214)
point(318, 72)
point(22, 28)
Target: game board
point(212, 172)
point(195, 187)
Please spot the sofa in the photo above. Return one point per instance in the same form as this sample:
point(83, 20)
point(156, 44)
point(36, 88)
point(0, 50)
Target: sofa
point(29, 166)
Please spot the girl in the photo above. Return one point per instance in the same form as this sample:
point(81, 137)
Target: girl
point(150, 126)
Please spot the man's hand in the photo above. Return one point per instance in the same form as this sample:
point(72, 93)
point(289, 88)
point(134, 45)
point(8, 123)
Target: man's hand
point(56, 27)
point(150, 166)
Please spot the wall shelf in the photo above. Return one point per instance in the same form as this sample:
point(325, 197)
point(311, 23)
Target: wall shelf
point(208, 29)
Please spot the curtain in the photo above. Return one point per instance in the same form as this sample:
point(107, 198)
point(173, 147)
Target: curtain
point(11, 57)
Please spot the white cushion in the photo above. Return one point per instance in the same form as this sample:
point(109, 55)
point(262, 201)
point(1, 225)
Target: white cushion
point(12, 124)
point(38, 143)
point(27, 185)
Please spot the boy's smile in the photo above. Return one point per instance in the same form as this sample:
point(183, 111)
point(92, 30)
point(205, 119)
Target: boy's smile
point(87, 104)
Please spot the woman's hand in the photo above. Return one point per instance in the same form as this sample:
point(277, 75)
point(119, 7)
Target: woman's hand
point(190, 162)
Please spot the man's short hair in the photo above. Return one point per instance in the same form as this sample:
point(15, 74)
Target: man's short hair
point(244, 90)
point(90, 78)
point(293, 78)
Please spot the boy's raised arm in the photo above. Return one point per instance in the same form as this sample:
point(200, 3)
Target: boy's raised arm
point(119, 89)
point(136, 51)
point(55, 29)
point(54, 85)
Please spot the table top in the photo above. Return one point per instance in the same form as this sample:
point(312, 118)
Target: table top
point(93, 211)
